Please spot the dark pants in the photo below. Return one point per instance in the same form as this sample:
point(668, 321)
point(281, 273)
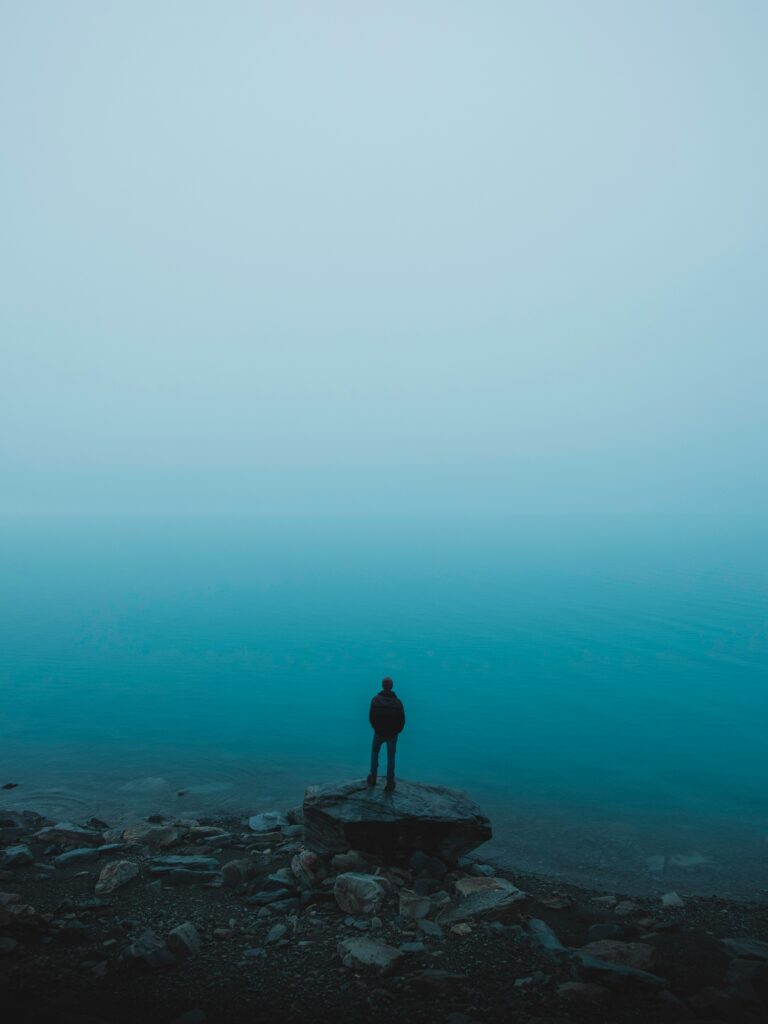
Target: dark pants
point(391, 742)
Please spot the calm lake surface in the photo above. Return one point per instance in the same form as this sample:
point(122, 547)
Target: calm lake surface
point(599, 686)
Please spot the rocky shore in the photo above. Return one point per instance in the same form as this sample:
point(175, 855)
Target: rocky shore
point(353, 907)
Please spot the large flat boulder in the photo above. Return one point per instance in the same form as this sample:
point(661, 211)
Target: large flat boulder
point(351, 816)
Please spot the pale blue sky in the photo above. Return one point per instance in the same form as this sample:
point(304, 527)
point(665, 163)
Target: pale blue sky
point(346, 257)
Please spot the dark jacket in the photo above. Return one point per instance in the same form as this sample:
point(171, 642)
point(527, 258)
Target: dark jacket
point(387, 715)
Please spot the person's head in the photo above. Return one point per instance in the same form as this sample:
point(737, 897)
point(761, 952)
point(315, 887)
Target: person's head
point(386, 683)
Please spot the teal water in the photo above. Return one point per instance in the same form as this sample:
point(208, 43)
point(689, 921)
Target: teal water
point(599, 686)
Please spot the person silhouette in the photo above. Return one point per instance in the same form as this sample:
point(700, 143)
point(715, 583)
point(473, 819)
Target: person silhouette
point(387, 717)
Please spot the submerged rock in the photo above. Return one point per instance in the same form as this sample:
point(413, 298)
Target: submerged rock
point(435, 819)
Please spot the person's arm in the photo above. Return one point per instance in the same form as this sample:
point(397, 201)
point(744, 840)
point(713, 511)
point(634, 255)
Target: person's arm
point(370, 712)
point(402, 717)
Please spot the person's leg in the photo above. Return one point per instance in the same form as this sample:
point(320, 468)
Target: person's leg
point(391, 748)
point(375, 747)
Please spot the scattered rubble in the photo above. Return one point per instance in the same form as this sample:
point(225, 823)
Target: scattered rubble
point(271, 928)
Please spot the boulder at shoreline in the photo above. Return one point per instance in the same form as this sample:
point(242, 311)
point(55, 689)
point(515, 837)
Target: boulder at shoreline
point(351, 815)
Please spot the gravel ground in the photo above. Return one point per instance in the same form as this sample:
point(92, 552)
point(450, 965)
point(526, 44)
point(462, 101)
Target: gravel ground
point(72, 960)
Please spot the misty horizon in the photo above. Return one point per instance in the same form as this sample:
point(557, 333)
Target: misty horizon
point(341, 260)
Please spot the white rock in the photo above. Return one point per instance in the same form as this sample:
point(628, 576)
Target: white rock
point(671, 899)
point(115, 874)
point(483, 898)
point(267, 821)
point(359, 894)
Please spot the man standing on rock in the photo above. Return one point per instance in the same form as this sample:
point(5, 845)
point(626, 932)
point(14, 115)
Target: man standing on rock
point(387, 716)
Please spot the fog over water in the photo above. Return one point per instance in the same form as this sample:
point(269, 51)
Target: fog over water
point(339, 340)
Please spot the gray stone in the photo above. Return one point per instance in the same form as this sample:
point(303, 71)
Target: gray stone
point(150, 950)
point(482, 870)
point(307, 867)
point(234, 872)
point(267, 821)
point(431, 928)
point(352, 860)
point(254, 952)
point(361, 923)
point(265, 840)
point(438, 820)
point(544, 936)
point(583, 992)
point(276, 933)
point(371, 953)
point(66, 834)
point(639, 955)
point(283, 878)
point(288, 906)
point(8, 946)
point(485, 898)
point(746, 949)
point(184, 939)
point(16, 856)
point(114, 875)
point(164, 865)
point(413, 947)
point(295, 816)
point(185, 876)
point(413, 906)
point(267, 896)
point(605, 972)
point(671, 899)
point(158, 836)
point(88, 853)
point(358, 894)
